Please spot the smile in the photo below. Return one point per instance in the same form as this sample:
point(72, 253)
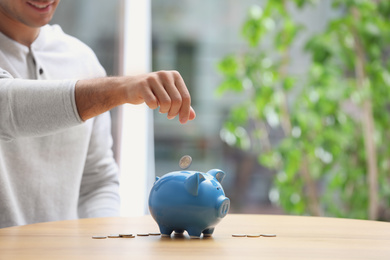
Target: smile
point(41, 5)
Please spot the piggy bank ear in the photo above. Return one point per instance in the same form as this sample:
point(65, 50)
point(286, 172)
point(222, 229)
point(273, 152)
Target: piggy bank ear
point(218, 174)
point(192, 183)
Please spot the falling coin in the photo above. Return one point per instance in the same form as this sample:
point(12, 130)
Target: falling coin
point(99, 237)
point(268, 235)
point(239, 235)
point(185, 162)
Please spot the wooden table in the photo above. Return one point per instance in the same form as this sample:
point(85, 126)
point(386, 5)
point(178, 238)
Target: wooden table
point(297, 238)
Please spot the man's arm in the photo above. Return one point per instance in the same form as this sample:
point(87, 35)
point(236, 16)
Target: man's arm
point(36, 107)
point(41, 107)
point(164, 89)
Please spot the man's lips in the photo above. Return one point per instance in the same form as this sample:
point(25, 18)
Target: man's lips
point(42, 6)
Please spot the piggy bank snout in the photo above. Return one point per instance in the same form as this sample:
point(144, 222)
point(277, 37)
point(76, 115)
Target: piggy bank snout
point(223, 207)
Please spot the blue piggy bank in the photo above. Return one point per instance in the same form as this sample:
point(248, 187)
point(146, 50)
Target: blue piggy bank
point(189, 201)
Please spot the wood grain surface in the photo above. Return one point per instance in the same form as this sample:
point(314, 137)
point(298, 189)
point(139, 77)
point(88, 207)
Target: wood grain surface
point(297, 238)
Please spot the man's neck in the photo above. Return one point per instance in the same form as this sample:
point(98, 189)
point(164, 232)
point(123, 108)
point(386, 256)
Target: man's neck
point(17, 31)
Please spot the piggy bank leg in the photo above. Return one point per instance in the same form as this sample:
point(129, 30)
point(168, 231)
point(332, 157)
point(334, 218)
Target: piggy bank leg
point(179, 232)
point(165, 231)
point(208, 232)
point(194, 232)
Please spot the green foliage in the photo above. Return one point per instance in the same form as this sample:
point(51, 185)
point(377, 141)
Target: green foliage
point(323, 149)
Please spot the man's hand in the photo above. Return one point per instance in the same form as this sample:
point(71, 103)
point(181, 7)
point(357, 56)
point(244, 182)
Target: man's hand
point(164, 89)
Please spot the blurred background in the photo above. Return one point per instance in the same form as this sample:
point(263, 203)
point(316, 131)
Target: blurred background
point(291, 96)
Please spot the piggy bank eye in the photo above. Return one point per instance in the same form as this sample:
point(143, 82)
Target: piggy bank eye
point(218, 188)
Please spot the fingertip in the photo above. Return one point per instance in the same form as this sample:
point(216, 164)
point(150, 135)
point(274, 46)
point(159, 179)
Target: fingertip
point(183, 121)
point(192, 114)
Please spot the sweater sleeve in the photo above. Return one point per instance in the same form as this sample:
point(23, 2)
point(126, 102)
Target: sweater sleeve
point(35, 107)
point(99, 190)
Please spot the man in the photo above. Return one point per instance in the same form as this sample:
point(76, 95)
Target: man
point(55, 142)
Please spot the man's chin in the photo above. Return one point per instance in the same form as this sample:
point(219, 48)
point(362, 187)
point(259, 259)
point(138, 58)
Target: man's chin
point(38, 22)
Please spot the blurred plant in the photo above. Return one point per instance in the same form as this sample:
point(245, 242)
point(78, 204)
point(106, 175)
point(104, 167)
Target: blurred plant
point(333, 158)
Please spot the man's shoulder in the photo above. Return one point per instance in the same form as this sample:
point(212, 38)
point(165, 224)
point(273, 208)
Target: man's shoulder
point(55, 31)
point(54, 46)
point(55, 37)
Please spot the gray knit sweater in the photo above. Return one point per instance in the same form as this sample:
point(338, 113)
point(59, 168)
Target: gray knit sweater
point(53, 166)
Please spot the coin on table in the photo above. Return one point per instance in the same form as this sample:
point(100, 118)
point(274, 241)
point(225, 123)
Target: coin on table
point(253, 235)
point(155, 233)
point(268, 235)
point(126, 235)
point(113, 236)
point(143, 234)
point(185, 162)
point(99, 237)
point(239, 235)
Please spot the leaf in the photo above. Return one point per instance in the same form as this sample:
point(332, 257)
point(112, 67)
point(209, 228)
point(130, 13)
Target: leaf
point(319, 50)
point(239, 115)
point(288, 83)
point(228, 65)
point(230, 84)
